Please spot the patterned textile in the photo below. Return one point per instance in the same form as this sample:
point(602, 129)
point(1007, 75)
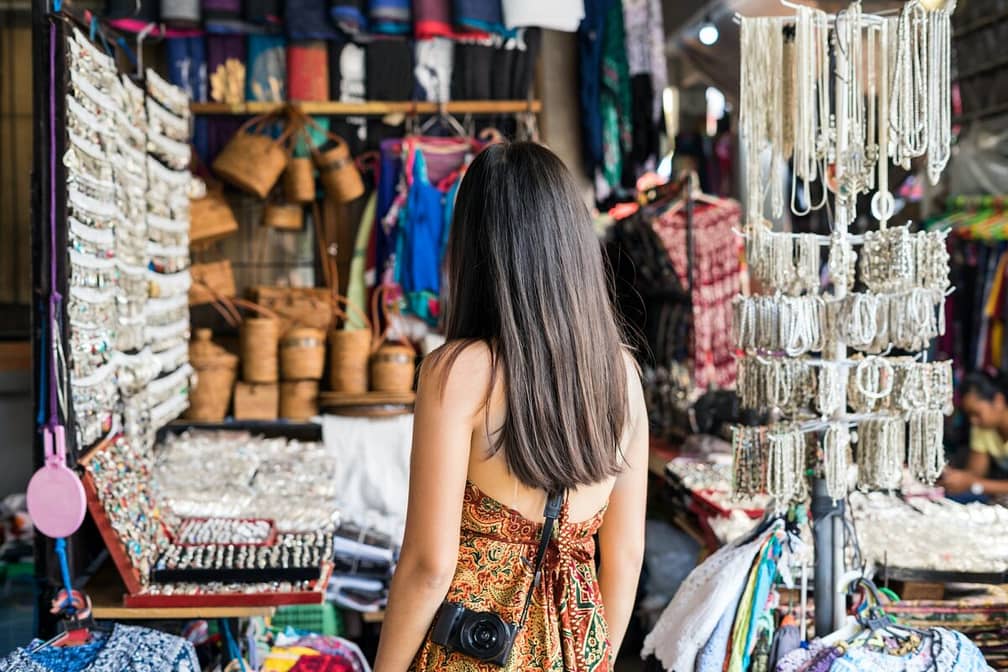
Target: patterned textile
point(566, 629)
point(645, 30)
point(128, 649)
point(716, 281)
point(616, 104)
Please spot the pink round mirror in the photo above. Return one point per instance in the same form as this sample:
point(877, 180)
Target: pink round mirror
point(56, 501)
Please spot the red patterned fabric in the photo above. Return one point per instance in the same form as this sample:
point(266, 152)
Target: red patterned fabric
point(566, 628)
point(716, 282)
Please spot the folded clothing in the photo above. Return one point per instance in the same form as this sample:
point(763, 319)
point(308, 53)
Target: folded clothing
point(350, 15)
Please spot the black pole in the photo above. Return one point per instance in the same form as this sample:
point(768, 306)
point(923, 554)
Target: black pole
point(40, 284)
point(824, 512)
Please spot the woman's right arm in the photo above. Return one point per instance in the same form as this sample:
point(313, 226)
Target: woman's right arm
point(621, 537)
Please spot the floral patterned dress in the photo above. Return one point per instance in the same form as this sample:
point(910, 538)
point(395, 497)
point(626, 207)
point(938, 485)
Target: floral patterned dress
point(566, 628)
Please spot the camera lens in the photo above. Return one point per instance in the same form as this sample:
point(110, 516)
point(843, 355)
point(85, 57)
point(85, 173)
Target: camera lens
point(484, 636)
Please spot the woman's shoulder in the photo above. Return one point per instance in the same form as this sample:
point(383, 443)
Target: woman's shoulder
point(458, 367)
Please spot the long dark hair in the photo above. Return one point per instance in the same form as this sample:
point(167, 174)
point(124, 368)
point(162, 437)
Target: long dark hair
point(984, 384)
point(525, 275)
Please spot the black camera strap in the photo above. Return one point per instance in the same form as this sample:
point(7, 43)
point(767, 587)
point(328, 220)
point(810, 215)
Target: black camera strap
point(554, 503)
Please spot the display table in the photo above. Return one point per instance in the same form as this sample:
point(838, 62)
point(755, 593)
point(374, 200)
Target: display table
point(107, 591)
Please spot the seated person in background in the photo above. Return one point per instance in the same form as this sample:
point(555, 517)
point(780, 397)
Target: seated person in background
point(985, 403)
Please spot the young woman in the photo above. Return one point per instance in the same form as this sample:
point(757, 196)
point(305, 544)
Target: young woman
point(533, 393)
point(985, 403)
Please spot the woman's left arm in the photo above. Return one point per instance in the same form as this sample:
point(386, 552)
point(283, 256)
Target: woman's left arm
point(442, 430)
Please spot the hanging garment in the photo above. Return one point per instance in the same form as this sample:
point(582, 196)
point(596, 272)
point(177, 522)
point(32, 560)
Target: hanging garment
point(226, 56)
point(267, 68)
point(187, 70)
point(690, 619)
point(645, 46)
point(644, 151)
point(716, 269)
point(308, 20)
point(357, 282)
point(562, 15)
point(617, 132)
point(752, 606)
point(350, 15)
point(418, 248)
point(187, 66)
point(589, 72)
point(433, 71)
point(127, 649)
point(472, 74)
point(711, 658)
point(787, 638)
point(390, 17)
point(389, 66)
point(432, 18)
point(307, 71)
point(566, 629)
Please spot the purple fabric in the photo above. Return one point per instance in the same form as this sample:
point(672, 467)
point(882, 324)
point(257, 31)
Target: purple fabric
point(823, 661)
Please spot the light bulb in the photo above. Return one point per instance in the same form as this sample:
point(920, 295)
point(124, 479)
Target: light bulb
point(708, 34)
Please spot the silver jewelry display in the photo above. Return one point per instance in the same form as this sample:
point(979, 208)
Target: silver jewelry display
point(111, 201)
point(836, 459)
point(856, 93)
point(926, 454)
point(881, 447)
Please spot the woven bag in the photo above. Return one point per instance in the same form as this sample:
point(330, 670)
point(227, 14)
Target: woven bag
point(304, 306)
point(338, 172)
point(283, 216)
point(211, 218)
point(216, 371)
point(349, 351)
point(253, 161)
point(211, 280)
point(393, 364)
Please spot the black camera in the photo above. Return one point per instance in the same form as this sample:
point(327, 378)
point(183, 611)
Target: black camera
point(479, 634)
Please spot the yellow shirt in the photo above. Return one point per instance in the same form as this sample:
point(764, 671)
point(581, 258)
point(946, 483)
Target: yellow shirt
point(989, 441)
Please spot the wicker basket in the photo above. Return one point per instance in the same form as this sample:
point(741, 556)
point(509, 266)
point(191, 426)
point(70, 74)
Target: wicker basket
point(304, 306)
point(283, 216)
point(211, 280)
point(253, 161)
point(256, 401)
point(299, 180)
point(349, 352)
point(393, 367)
point(260, 337)
point(338, 172)
point(299, 399)
point(216, 370)
point(302, 354)
point(211, 219)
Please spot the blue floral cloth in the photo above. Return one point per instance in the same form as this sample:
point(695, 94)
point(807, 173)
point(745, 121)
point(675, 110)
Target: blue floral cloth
point(127, 649)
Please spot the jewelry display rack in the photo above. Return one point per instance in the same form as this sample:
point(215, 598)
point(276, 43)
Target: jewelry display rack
point(888, 79)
